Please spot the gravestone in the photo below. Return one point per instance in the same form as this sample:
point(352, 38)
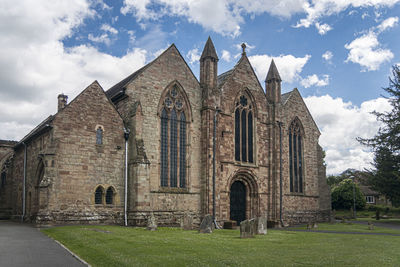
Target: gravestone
point(230, 224)
point(187, 222)
point(261, 225)
point(247, 228)
point(370, 226)
point(207, 225)
point(151, 222)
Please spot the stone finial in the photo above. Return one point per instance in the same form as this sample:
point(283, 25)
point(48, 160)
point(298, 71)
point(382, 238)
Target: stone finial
point(62, 101)
point(243, 49)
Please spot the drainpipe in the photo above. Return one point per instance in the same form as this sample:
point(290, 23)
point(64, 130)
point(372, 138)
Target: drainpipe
point(213, 159)
point(280, 174)
point(126, 136)
point(24, 185)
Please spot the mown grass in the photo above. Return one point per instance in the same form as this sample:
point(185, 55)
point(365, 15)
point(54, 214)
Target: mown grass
point(351, 227)
point(127, 246)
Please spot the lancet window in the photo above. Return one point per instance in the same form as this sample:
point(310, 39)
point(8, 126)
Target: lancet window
point(296, 167)
point(173, 139)
point(244, 130)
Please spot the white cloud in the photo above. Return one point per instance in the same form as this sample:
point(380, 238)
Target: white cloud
point(289, 66)
point(327, 55)
point(323, 28)
point(36, 66)
point(313, 80)
point(226, 56)
point(108, 28)
point(388, 23)
point(100, 39)
point(366, 51)
point(323, 8)
point(340, 124)
point(193, 55)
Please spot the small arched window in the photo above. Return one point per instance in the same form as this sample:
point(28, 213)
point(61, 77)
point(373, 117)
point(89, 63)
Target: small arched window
point(173, 139)
point(244, 130)
point(296, 156)
point(98, 195)
point(110, 195)
point(99, 136)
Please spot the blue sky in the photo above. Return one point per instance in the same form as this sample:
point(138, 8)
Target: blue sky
point(337, 53)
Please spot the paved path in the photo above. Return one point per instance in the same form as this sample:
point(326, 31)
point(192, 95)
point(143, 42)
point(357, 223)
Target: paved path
point(25, 245)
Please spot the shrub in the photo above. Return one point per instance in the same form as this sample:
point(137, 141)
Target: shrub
point(342, 196)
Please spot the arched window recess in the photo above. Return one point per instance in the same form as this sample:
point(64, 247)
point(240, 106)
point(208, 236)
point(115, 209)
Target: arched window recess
point(244, 128)
point(296, 162)
point(175, 116)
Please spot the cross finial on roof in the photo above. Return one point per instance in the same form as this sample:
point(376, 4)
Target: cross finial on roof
point(243, 49)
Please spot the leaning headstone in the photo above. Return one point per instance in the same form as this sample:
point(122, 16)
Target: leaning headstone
point(261, 225)
point(151, 223)
point(187, 222)
point(247, 228)
point(206, 225)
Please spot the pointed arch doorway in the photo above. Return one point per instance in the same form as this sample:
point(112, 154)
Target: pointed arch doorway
point(238, 202)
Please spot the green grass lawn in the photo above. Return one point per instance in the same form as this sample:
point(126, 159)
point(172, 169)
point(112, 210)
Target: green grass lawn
point(351, 227)
point(128, 246)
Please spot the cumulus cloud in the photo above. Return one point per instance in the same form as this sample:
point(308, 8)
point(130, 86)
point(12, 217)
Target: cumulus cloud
point(103, 38)
point(226, 56)
point(323, 28)
point(366, 52)
point(327, 55)
point(289, 66)
point(313, 80)
point(316, 10)
point(193, 55)
point(341, 123)
point(36, 66)
point(108, 28)
point(388, 23)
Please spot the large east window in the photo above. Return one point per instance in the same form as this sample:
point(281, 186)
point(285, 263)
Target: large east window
point(244, 130)
point(296, 156)
point(173, 139)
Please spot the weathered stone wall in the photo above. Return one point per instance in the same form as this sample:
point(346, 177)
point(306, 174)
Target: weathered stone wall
point(81, 165)
point(146, 193)
point(301, 207)
point(253, 175)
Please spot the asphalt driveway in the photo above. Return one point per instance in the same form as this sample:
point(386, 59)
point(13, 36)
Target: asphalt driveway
point(24, 245)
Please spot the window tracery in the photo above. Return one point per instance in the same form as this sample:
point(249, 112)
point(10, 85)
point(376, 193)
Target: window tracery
point(296, 156)
point(173, 139)
point(244, 130)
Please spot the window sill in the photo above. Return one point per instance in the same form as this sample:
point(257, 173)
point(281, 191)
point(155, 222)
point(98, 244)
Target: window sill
point(245, 164)
point(172, 190)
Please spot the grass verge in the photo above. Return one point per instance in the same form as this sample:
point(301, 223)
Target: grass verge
point(127, 246)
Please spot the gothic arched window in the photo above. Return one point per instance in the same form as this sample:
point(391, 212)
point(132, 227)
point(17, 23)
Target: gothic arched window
point(244, 130)
point(173, 139)
point(296, 156)
point(110, 195)
point(98, 195)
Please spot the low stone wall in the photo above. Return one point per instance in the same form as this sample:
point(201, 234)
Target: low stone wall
point(299, 217)
point(163, 218)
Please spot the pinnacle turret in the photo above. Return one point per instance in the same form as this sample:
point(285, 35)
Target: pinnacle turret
point(209, 50)
point(273, 73)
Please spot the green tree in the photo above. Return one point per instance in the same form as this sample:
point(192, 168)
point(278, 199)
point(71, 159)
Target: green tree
point(385, 178)
point(342, 196)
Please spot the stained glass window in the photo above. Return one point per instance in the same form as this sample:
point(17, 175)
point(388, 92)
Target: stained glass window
point(244, 147)
point(164, 148)
point(296, 157)
point(109, 195)
point(173, 140)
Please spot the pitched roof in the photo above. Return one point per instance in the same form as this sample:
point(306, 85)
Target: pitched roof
point(44, 125)
point(273, 73)
point(209, 50)
point(222, 78)
point(285, 97)
point(120, 86)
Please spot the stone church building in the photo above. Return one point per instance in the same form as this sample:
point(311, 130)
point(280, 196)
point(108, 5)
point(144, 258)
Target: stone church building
point(161, 142)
